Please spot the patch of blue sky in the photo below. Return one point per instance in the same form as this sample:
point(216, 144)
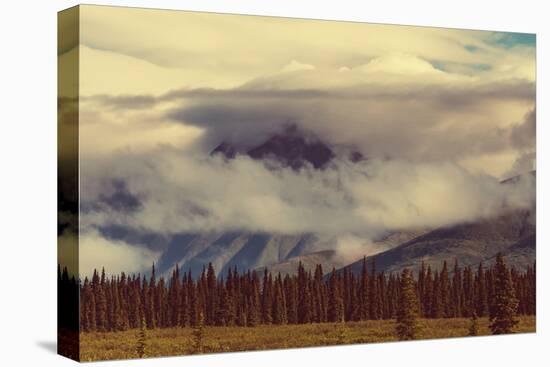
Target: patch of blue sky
point(471, 48)
point(509, 39)
point(448, 66)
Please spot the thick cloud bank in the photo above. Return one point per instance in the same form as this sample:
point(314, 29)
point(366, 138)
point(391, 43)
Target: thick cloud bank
point(421, 123)
point(182, 193)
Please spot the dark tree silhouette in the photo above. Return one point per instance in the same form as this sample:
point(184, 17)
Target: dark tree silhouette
point(245, 299)
point(407, 309)
point(504, 304)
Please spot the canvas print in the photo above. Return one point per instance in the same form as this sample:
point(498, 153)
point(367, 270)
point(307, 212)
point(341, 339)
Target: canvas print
point(234, 183)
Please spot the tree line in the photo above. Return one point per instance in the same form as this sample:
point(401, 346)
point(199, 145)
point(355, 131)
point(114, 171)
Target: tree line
point(252, 298)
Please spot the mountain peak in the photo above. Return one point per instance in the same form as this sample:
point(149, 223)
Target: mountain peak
point(291, 148)
point(294, 150)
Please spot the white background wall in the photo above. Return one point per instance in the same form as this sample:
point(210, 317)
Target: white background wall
point(28, 182)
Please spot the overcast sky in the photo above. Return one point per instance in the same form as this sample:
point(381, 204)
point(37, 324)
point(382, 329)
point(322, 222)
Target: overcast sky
point(442, 115)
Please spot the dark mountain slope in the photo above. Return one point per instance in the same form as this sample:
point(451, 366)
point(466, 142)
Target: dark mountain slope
point(469, 243)
point(232, 249)
point(520, 255)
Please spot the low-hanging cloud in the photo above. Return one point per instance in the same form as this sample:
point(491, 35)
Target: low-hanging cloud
point(523, 134)
point(523, 137)
point(181, 193)
point(114, 255)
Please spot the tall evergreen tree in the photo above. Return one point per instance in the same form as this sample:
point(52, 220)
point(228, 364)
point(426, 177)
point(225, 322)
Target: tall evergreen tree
point(428, 294)
point(210, 295)
point(267, 299)
point(468, 291)
point(279, 303)
point(135, 315)
point(123, 291)
point(373, 293)
point(481, 293)
point(444, 290)
point(87, 307)
point(318, 295)
point(291, 295)
point(254, 302)
point(304, 296)
point(457, 292)
point(505, 304)
point(335, 300)
point(407, 310)
point(421, 286)
point(364, 291)
point(100, 297)
point(436, 303)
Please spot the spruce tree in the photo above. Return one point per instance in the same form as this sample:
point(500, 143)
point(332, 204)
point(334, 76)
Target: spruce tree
point(436, 304)
point(335, 300)
point(364, 291)
point(373, 293)
point(505, 304)
point(186, 306)
point(421, 287)
point(232, 289)
point(116, 312)
point(291, 295)
point(428, 293)
point(146, 304)
point(221, 309)
point(481, 293)
point(254, 302)
point(160, 300)
point(267, 298)
point(134, 315)
point(174, 298)
point(194, 303)
point(124, 299)
point(407, 310)
point(304, 295)
point(279, 304)
point(100, 301)
point(318, 296)
point(151, 295)
point(444, 287)
point(85, 303)
point(210, 295)
point(457, 292)
point(382, 296)
point(468, 289)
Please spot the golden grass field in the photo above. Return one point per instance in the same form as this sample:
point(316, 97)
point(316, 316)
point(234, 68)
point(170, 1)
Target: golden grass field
point(179, 341)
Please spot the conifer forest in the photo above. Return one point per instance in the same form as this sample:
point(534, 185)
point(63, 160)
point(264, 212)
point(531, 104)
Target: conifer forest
point(247, 299)
point(254, 300)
